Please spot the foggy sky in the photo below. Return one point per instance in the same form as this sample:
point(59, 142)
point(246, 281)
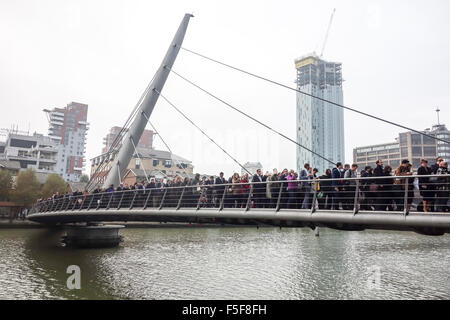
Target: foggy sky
point(395, 62)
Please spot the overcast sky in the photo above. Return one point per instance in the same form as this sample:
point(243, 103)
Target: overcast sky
point(395, 57)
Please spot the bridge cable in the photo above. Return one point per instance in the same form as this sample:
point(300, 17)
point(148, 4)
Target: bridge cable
point(167, 146)
point(119, 136)
point(252, 118)
point(118, 170)
point(137, 154)
point(313, 96)
point(186, 117)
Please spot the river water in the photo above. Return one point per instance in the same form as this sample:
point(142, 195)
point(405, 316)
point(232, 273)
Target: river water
point(229, 263)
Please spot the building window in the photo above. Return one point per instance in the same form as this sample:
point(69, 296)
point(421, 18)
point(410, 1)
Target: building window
point(428, 140)
point(403, 138)
point(417, 151)
point(404, 153)
point(167, 163)
point(155, 162)
point(416, 139)
point(394, 156)
point(137, 164)
point(429, 151)
point(394, 163)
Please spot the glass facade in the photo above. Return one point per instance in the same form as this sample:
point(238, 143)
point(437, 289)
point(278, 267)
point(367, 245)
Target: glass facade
point(320, 125)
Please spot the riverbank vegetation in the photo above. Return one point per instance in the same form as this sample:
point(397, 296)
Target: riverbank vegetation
point(26, 188)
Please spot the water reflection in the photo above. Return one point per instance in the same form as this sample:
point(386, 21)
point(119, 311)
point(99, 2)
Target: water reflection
point(231, 263)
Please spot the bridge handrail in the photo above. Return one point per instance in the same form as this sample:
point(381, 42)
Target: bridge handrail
point(141, 197)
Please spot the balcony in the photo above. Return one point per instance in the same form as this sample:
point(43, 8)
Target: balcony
point(47, 159)
point(56, 113)
point(54, 137)
point(56, 122)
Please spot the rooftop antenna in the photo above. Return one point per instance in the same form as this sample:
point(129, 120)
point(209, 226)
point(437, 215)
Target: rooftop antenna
point(326, 35)
point(437, 111)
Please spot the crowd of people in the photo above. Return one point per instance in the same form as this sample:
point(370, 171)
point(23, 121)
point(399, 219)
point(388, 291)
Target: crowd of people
point(337, 189)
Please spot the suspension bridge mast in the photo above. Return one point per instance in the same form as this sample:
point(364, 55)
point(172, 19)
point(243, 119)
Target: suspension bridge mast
point(133, 135)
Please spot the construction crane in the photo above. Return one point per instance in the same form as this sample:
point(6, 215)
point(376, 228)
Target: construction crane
point(328, 31)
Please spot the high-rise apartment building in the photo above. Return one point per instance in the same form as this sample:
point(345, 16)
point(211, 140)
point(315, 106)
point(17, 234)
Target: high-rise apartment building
point(320, 125)
point(146, 141)
point(69, 126)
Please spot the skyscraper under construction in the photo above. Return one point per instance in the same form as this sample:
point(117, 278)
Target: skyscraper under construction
point(320, 125)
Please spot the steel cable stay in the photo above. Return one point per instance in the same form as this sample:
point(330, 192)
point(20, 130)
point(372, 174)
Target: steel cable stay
point(313, 96)
point(164, 142)
point(206, 135)
point(140, 160)
point(252, 118)
point(116, 142)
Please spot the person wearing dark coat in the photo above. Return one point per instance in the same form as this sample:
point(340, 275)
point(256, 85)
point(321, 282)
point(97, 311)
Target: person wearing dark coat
point(433, 182)
point(209, 192)
point(443, 188)
point(426, 189)
point(379, 172)
point(388, 195)
point(336, 174)
point(219, 188)
point(150, 192)
point(366, 185)
point(259, 189)
point(326, 190)
point(284, 192)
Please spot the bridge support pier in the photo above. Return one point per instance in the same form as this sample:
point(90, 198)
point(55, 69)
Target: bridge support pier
point(93, 236)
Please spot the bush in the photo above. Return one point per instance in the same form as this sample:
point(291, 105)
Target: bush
point(6, 183)
point(84, 178)
point(28, 189)
point(53, 184)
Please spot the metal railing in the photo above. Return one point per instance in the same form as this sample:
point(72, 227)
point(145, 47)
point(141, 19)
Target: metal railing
point(387, 193)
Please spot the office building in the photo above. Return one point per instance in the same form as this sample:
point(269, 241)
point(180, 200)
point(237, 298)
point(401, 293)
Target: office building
point(409, 145)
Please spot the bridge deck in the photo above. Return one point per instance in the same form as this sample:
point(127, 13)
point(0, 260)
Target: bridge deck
point(430, 223)
point(218, 204)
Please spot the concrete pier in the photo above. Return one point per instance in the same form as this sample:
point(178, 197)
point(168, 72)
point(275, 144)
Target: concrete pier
point(93, 236)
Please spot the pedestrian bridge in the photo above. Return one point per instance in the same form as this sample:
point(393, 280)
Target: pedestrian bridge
point(354, 209)
point(346, 204)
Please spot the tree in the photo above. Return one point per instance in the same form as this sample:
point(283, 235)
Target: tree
point(53, 184)
point(84, 178)
point(28, 189)
point(6, 183)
